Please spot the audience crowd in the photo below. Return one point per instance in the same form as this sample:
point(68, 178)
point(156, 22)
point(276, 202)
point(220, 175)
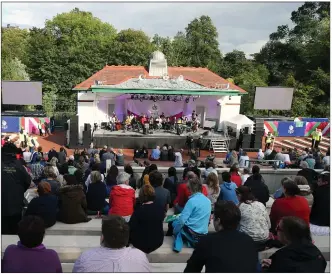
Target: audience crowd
point(88, 184)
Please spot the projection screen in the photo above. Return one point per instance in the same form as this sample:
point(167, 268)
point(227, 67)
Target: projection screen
point(21, 93)
point(273, 98)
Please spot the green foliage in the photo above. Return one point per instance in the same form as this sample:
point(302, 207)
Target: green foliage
point(13, 70)
point(13, 43)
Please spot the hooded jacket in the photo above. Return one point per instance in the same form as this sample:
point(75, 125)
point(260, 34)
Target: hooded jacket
point(122, 200)
point(258, 187)
point(298, 258)
point(227, 192)
point(72, 205)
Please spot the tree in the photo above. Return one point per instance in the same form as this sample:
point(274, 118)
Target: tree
point(13, 70)
point(131, 47)
point(13, 44)
point(203, 46)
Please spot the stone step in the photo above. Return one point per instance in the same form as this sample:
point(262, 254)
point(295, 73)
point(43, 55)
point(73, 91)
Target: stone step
point(306, 143)
point(69, 248)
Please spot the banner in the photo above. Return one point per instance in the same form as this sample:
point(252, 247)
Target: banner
point(10, 124)
point(155, 109)
point(30, 124)
point(311, 127)
point(270, 126)
point(290, 129)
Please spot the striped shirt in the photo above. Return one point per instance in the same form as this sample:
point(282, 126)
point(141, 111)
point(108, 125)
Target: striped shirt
point(102, 259)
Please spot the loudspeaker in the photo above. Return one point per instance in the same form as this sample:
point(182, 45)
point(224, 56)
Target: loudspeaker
point(246, 130)
point(259, 132)
point(246, 138)
point(87, 138)
point(66, 127)
point(103, 125)
point(257, 145)
point(257, 138)
point(87, 127)
point(246, 144)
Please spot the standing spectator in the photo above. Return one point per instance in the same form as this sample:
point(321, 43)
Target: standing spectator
point(257, 185)
point(119, 158)
point(245, 175)
point(213, 251)
point(122, 198)
point(30, 255)
point(163, 196)
point(40, 128)
point(244, 160)
point(47, 128)
point(235, 175)
point(97, 194)
point(299, 254)
point(72, 202)
point(132, 182)
point(320, 211)
point(113, 255)
point(146, 223)
point(194, 219)
point(227, 189)
point(189, 143)
point(213, 188)
point(27, 155)
point(155, 154)
point(164, 154)
point(15, 181)
point(255, 220)
point(171, 183)
point(45, 205)
point(52, 153)
point(62, 156)
point(291, 205)
point(52, 124)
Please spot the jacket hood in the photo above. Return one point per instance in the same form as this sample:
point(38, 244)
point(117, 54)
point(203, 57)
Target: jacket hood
point(302, 252)
point(304, 189)
point(229, 186)
point(122, 190)
point(71, 190)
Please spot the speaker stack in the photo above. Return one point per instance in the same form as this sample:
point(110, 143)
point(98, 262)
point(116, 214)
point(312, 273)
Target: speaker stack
point(246, 140)
point(73, 131)
point(87, 135)
point(258, 134)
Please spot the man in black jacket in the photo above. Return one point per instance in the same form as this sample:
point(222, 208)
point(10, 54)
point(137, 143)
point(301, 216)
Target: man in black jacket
point(320, 211)
point(227, 250)
point(257, 185)
point(14, 183)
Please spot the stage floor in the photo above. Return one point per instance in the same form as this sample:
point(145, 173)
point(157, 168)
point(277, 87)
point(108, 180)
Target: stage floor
point(132, 139)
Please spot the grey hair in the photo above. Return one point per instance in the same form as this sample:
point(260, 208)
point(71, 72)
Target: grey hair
point(195, 185)
point(49, 172)
point(122, 178)
point(53, 161)
point(304, 164)
point(95, 177)
point(191, 175)
point(164, 148)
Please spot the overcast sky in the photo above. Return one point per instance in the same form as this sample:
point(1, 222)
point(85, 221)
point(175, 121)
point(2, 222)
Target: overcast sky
point(242, 26)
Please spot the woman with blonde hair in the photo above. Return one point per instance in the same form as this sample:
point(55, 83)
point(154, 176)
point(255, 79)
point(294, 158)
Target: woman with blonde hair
point(97, 158)
point(53, 163)
point(233, 159)
point(119, 158)
point(304, 187)
point(146, 223)
point(212, 183)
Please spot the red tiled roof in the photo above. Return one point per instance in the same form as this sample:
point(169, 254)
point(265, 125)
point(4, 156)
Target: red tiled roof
point(112, 75)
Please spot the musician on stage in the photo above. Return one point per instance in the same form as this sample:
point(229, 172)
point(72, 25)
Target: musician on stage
point(112, 122)
point(162, 116)
point(193, 116)
point(151, 122)
point(144, 121)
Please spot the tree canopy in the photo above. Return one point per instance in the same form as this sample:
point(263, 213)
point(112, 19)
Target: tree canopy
point(74, 45)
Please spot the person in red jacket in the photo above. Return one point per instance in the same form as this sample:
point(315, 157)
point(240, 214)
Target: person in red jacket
point(183, 192)
point(291, 205)
point(122, 197)
point(235, 176)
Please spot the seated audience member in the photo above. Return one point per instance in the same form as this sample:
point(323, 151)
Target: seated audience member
point(27, 155)
point(62, 156)
point(304, 187)
point(209, 167)
point(45, 205)
point(119, 158)
point(171, 183)
point(220, 252)
point(37, 170)
point(122, 198)
point(72, 202)
point(54, 163)
point(255, 220)
point(146, 171)
point(291, 205)
point(178, 159)
point(164, 154)
point(311, 161)
point(71, 167)
point(326, 159)
point(146, 223)
point(279, 156)
point(213, 188)
point(233, 159)
point(244, 160)
point(318, 161)
point(286, 156)
point(155, 154)
point(267, 153)
point(271, 156)
point(132, 181)
point(193, 222)
point(113, 255)
point(96, 194)
point(151, 168)
point(171, 156)
point(320, 211)
point(82, 165)
point(235, 175)
point(280, 192)
point(30, 255)
point(260, 154)
point(163, 196)
point(299, 254)
point(257, 185)
point(228, 155)
point(111, 176)
point(108, 155)
point(227, 189)
point(245, 175)
point(145, 152)
point(183, 192)
point(79, 177)
point(51, 179)
point(310, 174)
point(94, 167)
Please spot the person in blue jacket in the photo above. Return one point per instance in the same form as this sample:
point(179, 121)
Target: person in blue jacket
point(227, 189)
